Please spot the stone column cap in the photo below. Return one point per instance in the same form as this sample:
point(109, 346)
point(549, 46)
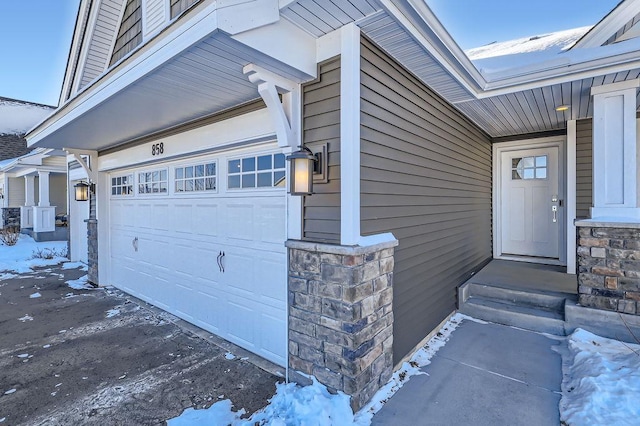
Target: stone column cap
point(608, 223)
point(376, 245)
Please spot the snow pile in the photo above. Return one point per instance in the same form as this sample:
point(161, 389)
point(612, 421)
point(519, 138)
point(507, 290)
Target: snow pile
point(80, 284)
point(19, 259)
point(601, 383)
point(19, 117)
point(291, 405)
point(553, 42)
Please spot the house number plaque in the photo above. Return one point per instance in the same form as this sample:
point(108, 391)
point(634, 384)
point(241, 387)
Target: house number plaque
point(157, 149)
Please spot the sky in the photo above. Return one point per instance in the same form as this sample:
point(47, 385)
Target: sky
point(475, 23)
point(35, 37)
point(36, 34)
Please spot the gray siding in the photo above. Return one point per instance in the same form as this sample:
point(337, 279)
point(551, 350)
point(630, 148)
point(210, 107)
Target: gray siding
point(179, 6)
point(130, 32)
point(426, 177)
point(584, 167)
point(321, 115)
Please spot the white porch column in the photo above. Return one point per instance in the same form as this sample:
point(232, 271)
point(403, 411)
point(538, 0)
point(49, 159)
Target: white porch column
point(29, 191)
point(615, 152)
point(43, 187)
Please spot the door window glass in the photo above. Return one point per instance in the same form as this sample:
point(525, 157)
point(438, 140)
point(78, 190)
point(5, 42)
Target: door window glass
point(529, 167)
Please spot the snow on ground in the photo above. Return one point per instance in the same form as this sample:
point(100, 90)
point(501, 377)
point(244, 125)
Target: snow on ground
point(314, 405)
point(79, 284)
point(19, 258)
point(35, 295)
point(75, 265)
point(18, 117)
point(601, 381)
point(113, 312)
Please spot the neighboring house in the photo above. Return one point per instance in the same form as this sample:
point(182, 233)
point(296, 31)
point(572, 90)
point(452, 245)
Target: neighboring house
point(181, 112)
point(16, 118)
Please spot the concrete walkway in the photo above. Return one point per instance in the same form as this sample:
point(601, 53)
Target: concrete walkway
point(486, 374)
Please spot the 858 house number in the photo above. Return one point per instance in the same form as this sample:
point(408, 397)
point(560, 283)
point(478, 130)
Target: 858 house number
point(157, 149)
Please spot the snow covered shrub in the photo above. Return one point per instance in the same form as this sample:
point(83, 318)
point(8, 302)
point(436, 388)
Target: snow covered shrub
point(48, 253)
point(9, 236)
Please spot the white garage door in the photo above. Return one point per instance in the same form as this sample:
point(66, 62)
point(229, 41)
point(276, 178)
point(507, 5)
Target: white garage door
point(204, 240)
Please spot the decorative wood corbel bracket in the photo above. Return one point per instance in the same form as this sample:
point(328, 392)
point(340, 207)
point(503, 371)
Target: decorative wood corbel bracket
point(285, 113)
point(91, 172)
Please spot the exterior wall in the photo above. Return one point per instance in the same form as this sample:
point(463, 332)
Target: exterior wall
point(425, 177)
point(12, 146)
point(179, 6)
point(321, 124)
point(584, 167)
point(609, 267)
point(154, 16)
point(92, 242)
point(16, 192)
point(130, 32)
point(341, 316)
point(58, 192)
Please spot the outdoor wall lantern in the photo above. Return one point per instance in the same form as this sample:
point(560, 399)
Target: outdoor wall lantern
point(302, 168)
point(82, 190)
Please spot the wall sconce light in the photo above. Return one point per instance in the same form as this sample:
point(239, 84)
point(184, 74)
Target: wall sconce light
point(82, 190)
point(303, 164)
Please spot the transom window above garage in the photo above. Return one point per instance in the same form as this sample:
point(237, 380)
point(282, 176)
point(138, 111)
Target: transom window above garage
point(261, 171)
point(153, 182)
point(198, 177)
point(122, 185)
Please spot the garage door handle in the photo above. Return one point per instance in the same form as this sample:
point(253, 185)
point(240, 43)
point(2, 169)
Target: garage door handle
point(222, 263)
point(219, 260)
point(135, 243)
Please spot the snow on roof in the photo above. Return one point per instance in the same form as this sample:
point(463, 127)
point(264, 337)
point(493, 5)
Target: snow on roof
point(549, 43)
point(17, 117)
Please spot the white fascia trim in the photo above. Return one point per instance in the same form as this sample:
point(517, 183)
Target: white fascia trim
point(350, 136)
point(570, 202)
point(609, 25)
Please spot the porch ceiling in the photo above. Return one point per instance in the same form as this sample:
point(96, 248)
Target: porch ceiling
point(201, 80)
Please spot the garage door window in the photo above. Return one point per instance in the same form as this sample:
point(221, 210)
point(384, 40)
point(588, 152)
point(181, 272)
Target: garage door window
point(263, 171)
point(122, 185)
point(152, 182)
point(198, 177)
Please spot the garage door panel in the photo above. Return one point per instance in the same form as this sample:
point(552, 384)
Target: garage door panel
point(179, 237)
point(206, 216)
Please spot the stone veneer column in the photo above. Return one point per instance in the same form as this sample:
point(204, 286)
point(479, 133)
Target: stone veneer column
point(11, 217)
point(609, 266)
point(341, 315)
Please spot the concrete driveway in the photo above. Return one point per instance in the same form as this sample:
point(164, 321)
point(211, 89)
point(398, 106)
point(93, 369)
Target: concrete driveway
point(98, 357)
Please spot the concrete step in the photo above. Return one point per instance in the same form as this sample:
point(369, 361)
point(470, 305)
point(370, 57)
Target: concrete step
point(526, 317)
point(551, 301)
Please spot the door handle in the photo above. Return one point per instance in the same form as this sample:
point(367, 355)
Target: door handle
point(554, 209)
point(135, 243)
point(219, 261)
point(222, 263)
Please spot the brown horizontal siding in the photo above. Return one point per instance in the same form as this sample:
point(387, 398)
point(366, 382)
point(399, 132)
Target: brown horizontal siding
point(130, 32)
point(321, 124)
point(584, 167)
point(425, 177)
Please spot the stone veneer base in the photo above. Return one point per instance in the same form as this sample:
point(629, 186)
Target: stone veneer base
point(341, 315)
point(608, 255)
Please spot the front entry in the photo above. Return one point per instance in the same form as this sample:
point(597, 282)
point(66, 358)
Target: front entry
point(531, 223)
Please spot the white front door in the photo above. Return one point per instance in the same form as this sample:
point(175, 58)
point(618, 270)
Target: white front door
point(531, 203)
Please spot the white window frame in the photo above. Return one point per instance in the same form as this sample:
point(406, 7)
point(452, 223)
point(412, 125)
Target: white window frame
point(140, 182)
point(174, 179)
point(131, 193)
point(255, 172)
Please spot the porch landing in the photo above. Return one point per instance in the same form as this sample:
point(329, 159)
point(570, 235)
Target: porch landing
point(526, 276)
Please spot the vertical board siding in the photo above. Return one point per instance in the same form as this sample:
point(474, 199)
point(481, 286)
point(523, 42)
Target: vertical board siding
point(179, 6)
point(425, 177)
point(154, 16)
point(584, 167)
point(16, 192)
point(321, 124)
point(130, 32)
